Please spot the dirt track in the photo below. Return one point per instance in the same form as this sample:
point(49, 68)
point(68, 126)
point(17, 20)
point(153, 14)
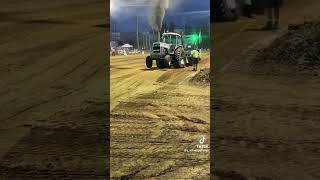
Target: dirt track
point(53, 104)
point(267, 126)
point(156, 114)
point(47, 46)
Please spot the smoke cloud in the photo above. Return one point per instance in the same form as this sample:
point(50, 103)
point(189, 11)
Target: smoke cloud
point(157, 12)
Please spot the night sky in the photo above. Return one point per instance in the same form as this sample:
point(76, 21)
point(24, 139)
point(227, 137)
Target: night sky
point(124, 13)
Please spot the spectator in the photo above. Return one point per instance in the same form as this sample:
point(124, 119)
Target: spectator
point(195, 54)
point(273, 14)
point(248, 8)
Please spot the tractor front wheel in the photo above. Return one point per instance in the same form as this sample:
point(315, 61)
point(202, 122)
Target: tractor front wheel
point(167, 60)
point(149, 62)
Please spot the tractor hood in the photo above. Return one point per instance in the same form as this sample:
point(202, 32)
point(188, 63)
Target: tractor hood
point(161, 44)
point(157, 46)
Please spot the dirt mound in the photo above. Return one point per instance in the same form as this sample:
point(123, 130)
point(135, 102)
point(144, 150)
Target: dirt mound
point(203, 77)
point(297, 51)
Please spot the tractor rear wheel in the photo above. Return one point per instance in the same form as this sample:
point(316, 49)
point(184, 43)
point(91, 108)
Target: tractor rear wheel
point(149, 62)
point(179, 58)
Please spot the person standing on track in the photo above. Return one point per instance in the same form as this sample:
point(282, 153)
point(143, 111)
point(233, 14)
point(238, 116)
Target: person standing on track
point(195, 54)
point(248, 8)
point(273, 14)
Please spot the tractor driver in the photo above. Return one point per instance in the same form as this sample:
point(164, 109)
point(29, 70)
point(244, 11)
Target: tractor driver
point(195, 54)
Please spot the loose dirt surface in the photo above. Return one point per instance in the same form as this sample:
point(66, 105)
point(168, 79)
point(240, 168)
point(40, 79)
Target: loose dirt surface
point(297, 52)
point(52, 96)
point(266, 124)
point(202, 78)
point(157, 115)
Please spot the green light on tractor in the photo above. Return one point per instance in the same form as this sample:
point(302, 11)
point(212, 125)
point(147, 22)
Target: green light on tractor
point(194, 38)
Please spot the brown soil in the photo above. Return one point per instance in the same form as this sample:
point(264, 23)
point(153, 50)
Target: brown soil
point(156, 115)
point(53, 60)
point(266, 124)
point(295, 52)
point(202, 78)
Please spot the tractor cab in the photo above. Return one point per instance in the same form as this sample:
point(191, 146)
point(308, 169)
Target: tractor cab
point(174, 40)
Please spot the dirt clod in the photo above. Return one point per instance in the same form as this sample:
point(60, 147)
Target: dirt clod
point(202, 77)
point(297, 51)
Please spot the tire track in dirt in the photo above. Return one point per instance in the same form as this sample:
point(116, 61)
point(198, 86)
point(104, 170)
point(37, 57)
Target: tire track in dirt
point(67, 137)
point(280, 145)
point(76, 67)
point(146, 130)
point(46, 71)
point(20, 112)
point(53, 66)
point(83, 144)
point(93, 73)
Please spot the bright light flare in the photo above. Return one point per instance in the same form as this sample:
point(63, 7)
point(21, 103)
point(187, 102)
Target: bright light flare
point(112, 6)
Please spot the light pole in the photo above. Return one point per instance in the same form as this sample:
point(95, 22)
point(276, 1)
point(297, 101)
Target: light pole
point(138, 32)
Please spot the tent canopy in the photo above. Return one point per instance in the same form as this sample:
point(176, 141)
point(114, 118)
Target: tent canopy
point(127, 46)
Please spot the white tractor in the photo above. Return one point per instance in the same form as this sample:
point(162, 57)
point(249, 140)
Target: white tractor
point(169, 51)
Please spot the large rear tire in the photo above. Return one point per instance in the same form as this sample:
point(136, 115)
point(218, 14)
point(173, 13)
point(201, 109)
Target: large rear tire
point(149, 62)
point(180, 58)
